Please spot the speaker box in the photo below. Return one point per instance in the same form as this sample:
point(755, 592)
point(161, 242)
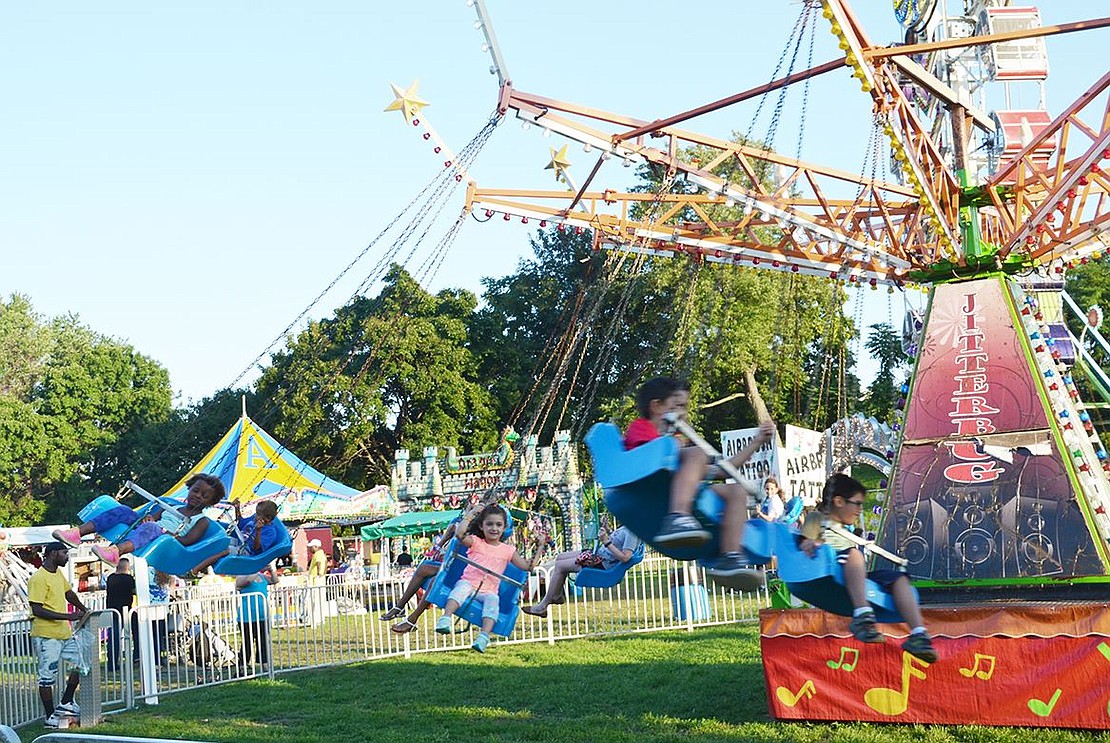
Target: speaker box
point(1031, 537)
point(974, 531)
point(919, 537)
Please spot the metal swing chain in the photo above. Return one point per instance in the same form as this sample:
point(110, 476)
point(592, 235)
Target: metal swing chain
point(438, 185)
point(680, 339)
point(573, 381)
point(826, 356)
point(799, 24)
point(444, 186)
point(439, 177)
point(609, 273)
point(810, 9)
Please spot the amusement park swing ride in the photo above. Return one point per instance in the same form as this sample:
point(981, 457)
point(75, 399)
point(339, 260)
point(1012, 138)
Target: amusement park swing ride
point(998, 484)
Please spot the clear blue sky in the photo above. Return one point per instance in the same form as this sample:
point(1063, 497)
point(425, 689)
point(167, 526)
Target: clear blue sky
point(187, 177)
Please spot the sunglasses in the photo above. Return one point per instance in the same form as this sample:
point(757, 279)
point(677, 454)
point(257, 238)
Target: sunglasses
point(853, 503)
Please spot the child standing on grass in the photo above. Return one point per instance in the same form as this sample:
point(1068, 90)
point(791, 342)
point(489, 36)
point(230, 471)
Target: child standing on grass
point(204, 491)
point(680, 528)
point(841, 503)
point(482, 538)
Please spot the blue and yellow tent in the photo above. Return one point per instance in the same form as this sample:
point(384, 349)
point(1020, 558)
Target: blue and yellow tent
point(254, 466)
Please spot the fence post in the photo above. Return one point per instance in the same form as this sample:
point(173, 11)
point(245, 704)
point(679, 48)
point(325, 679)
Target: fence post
point(687, 597)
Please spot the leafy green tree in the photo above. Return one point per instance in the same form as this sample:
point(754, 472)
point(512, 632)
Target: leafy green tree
point(389, 372)
point(69, 394)
point(157, 454)
point(525, 315)
point(884, 345)
point(24, 344)
point(1089, 285)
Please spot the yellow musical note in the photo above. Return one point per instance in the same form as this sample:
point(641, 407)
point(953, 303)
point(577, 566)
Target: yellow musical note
point(850, 666)
point(789, 698)
point(975, 670)
point(893, 701)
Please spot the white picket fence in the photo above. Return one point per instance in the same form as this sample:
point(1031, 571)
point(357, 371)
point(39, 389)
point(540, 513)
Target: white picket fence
point(196, 639)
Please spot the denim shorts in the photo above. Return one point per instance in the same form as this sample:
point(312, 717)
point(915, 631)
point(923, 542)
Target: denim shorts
point(491, 604)
point(49, 651)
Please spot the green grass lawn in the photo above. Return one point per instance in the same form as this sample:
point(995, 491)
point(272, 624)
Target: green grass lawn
point(670, 686)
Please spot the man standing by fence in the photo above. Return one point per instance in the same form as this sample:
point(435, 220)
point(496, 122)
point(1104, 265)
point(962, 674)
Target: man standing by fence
point(315, 594)
point(51, 635)
point(120, 597)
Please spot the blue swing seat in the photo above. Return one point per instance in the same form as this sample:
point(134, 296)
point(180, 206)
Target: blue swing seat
point(637, 485)
point(793, 510)
point(610, 576)
point(450, 573)
point(163, 553)
point(471, 611)
point(247, 564)
point(817, 580)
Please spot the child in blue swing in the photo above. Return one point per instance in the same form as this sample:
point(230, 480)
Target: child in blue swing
point(841, 503)
point(482, 538)
point(680, 528)
point(204, 491)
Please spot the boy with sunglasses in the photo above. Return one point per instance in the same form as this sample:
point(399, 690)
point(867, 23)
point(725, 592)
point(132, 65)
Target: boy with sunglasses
point(841, 503)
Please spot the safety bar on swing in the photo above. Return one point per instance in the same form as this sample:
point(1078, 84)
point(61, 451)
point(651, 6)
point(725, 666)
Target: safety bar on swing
point(152, 498)
point(484, 569)
point(718, 459)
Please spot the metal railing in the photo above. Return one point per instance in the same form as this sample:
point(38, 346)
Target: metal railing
point(202, 637)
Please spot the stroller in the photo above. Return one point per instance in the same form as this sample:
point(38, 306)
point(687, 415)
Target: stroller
point(208, 649)
point(192, 640)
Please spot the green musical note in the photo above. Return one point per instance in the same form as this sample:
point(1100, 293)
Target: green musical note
point(1042, 709)
point(1104, 649)
point(843, 665)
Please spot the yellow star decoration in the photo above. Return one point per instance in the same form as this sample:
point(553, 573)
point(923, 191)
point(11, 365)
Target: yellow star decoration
point(559, 162)
point(406, 101)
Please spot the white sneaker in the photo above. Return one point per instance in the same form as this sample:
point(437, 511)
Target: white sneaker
point(69, 708)
point(52, 722)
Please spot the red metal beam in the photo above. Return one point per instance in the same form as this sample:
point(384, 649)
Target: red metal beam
point(730, 100)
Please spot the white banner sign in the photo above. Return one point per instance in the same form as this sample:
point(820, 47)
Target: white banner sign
point(803, 465)
point(763, 464)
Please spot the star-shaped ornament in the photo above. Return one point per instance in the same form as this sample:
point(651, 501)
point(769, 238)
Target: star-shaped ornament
point(406, 101)
point(559, 162)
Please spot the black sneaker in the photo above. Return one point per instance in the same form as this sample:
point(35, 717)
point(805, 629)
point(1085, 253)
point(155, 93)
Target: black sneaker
point(863, 628)
point(921, 647)
point(681, 530)
point(730, 563)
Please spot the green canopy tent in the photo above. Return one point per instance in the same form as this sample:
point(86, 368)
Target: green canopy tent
point(419, 522)
point(407, 524)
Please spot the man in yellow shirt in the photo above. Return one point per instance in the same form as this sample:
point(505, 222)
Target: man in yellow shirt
point(315, 600)
point(318, 564)
point(48, 592)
